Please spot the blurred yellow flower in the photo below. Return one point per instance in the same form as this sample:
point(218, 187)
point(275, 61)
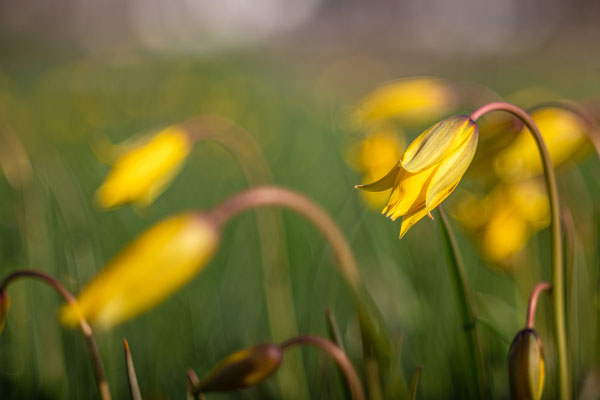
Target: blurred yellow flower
point(140, 174)
point(412, 100)
point(373, 157)
point(4, 306)
point(505, 219)
point(429, 170)
point(147, 271)
point(564, 134)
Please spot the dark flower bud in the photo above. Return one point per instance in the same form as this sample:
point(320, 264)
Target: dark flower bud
point(4, 305)
point(241, 369)
point(526, 366)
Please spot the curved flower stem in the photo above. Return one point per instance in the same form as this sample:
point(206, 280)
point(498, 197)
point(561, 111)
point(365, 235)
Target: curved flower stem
point(466, 304)
point(95, 358)
point(533, 299)
point(592, 132)
point(371, 327)
point(281, 312)
point(558, 284)
point(338, 355)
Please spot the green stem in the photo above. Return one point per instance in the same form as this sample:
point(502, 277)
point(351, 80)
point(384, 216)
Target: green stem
point(558, 281)
point(95, 358)
point(466, 304)
point(134, 387)
point(281, 311)
point(370, 322)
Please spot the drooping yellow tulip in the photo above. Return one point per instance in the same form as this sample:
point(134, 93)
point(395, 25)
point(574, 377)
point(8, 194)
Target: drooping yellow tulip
point(373, 157)
point(564, 134)
point(142, 173)
point(429, 170)
point(411, 100)
point(147, 271)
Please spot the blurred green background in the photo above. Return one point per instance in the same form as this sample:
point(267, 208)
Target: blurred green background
point(293, 96)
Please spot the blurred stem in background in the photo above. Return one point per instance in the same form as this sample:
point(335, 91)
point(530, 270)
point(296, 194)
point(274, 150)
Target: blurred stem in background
point(558, 298)
point(95, 358)
point(370, 321)
point(281, 310)
point(466, 304)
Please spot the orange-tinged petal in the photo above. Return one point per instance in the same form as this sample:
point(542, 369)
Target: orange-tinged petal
point(151, 268)
point(449, 173)
point(437, 142)
point(4, 306)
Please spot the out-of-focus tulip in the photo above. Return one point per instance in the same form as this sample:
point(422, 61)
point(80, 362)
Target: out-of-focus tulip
point(142, 172)
point(4, 306)
point(526, 366)
point(151, 268)
point(506, 218)
point(412, 100)
point(429, 170)
point(564, 134)
point(242, 369)
point(373, 157)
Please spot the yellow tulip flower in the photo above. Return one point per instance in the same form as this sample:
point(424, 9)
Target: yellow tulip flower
point(412, 100)
point(140, 174)
point(564, 134)
point(429, 170)
point(505, 219)
point(151, 268)
point(373, 157)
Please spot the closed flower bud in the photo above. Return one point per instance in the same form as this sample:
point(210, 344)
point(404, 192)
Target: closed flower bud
point(429, 170)
point(141, 173)
point(241, 369)
point(526, 366)
point(4, 306)
point(151, 268)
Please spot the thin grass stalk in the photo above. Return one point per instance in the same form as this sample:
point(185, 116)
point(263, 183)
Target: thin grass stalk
point(466, 304)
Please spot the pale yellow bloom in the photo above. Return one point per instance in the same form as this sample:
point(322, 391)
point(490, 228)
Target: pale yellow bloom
point(563, 133)
point(147, 271)
point(429, 170)
point(142, 173)
point(505, 219)
point(373, 157)
point(412, 100)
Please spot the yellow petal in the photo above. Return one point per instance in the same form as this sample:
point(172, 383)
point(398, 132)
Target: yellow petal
point(437, 142)
point(410, 219)
point(409, 192)
point(143, 172)
point(449, 173)
point(151, 268)
point(382, 184)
